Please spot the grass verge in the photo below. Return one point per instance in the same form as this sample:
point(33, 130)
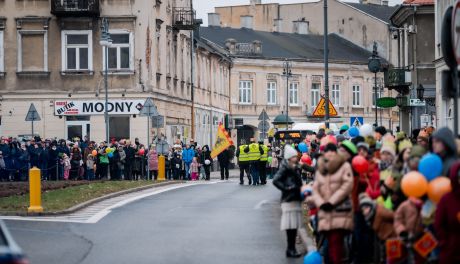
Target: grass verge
point(61, 199)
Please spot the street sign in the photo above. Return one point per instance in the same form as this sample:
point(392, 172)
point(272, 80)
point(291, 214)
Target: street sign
point(386, 102)
point(320, 109)
point(263, 126)
point(149, 109)
point(425, 120)
point(356, 121)
point(263, 116)
point(32, 114)
point(158, 121)
point(416, 102)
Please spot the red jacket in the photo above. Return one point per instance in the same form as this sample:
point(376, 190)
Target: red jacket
point(373, 184)
point(447, 221)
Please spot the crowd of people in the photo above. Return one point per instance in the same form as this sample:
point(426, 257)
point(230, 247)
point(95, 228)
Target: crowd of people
point(117, 160)
point(373, 197)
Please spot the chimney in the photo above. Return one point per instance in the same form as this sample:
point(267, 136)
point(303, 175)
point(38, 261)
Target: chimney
point(385, 2)
point(214, 19)
point(300, 26)
point(255, 2)
point(230, 45)
point(246, 22)
point(277, 24)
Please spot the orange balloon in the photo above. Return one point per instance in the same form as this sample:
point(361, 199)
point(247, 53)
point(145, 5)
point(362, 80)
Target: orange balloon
point(438, 187)
point(414, 184)
point(94, 152)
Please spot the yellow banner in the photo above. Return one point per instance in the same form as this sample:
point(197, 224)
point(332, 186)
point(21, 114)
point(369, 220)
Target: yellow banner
point(222, 143)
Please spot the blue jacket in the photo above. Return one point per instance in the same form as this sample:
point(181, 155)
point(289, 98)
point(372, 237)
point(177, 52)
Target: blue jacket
point(187, 155)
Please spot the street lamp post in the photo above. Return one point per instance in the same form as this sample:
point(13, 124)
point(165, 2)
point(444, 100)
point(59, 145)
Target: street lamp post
point(105, 42)
point(374, 67)
point(326, 64)
point(287, 66)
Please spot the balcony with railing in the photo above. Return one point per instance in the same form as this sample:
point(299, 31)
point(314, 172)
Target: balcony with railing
point(184, 18)
point(75, 8)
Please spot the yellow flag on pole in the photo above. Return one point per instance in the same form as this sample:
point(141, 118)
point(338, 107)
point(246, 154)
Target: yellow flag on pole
point(223, 141)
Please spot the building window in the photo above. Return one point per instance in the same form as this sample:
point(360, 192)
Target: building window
point(315, 87)
point(335, 94)
point(356, 95)
point(294, 93)
point(120, 51)
point(119, 127)
point(77, 50)
point(271, 93)
point(32, 50)
point(245, 92)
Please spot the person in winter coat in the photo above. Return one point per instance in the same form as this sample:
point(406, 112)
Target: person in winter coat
point(444, 145)
point(447, 221)
point(206, 161)
point(288, 180)
point(176, 164)
point(67, 166)
point(224, 163)
point(121, 162)
point(23, 163)
point(75, 160)
point(332, 195)
point(408, 221)
point(3, 171)
point(187, 156)
point(194, 169)
point(90, 167)
point(153, 163)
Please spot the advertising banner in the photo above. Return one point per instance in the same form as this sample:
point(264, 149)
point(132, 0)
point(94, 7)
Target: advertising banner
point(97, 107)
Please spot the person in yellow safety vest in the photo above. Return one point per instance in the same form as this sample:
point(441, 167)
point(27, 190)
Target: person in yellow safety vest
point(254, 150)
point(263, 163)
point(243, 162)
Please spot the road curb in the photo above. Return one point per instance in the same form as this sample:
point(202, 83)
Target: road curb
point(92, 201)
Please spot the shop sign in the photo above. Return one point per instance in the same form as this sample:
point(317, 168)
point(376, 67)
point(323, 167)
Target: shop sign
point(97, 107)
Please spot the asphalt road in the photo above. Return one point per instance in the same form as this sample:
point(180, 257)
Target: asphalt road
point(217, 223)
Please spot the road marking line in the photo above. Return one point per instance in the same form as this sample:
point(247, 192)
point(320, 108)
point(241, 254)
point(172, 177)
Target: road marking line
point(94, 213)
point(260, 204)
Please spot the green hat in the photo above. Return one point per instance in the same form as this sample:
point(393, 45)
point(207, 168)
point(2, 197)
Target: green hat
point(350, 147)
point(344, 127)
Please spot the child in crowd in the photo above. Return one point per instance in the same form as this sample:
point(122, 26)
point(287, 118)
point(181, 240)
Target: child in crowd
point(194, 169)
point(67, 166)
point(90, 167)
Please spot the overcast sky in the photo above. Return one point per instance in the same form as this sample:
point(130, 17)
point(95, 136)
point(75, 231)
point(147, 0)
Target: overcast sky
point(203, 7)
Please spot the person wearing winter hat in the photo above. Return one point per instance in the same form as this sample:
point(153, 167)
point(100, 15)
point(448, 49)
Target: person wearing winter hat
point(348, 150)
point(444, 145)
point(416, 153)
point(423, 139)
point(332, 195)
point(340, 138)
point(289, 181)
point(447, 220)
point(379, 133)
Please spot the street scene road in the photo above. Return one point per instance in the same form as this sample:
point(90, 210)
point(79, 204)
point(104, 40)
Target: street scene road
point(209, 223)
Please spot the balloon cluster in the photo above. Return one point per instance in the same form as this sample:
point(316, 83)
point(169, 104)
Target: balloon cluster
point(426, 180)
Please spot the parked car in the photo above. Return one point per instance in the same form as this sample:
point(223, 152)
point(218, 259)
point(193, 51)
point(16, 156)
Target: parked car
point(10, 252)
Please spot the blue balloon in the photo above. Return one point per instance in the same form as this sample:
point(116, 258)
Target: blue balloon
point(313, 257)
point(430, 166)
point(353, 132)
point(303, 148)
point(110, 154)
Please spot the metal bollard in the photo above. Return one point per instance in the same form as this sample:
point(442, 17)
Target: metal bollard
point(161, 168)
point(35, 191)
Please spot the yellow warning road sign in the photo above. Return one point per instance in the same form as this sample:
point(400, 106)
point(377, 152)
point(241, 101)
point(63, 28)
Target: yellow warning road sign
point(320, 109)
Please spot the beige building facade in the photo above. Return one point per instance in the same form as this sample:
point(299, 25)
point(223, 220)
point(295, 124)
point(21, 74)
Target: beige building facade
point(50, 56)
point(360, 23)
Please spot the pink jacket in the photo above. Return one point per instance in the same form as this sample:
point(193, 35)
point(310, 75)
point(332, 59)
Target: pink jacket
point(333, 184)
point(153, 160)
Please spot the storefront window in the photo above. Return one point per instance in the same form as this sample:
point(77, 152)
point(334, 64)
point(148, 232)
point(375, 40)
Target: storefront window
point(119, 127)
